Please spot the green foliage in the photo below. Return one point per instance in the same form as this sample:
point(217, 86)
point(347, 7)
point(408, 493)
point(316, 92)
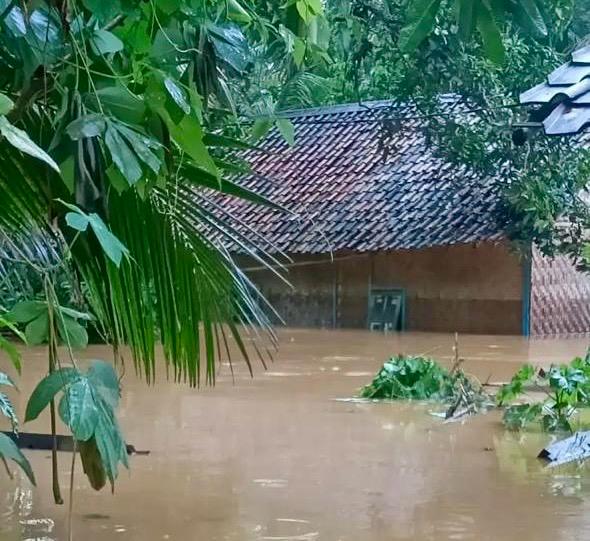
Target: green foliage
point(35, 315)
point(111, 245)
point(540, 185)
point(9, 347)
point(485, 16)
point(515, 387)
point(88, 405)
point(20, 139)
point(416, 378)
point(568, 389)
point(8, 449)
point(131, 100)
point(407, 378)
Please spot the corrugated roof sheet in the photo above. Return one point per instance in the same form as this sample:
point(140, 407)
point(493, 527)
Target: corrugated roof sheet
point(345, 192)
point(566, 96)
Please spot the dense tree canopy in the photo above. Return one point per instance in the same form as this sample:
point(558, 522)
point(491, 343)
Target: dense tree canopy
point(542, 180)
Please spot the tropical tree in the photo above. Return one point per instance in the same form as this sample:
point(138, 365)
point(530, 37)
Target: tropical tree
point(541, 181)
point(118, 121)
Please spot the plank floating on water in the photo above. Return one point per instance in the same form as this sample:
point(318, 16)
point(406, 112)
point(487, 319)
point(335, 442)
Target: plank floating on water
point(574, 448)
point(44, 442)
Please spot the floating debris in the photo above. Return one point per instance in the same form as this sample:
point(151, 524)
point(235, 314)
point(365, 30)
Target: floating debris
point(574, 448)
point(271, 483)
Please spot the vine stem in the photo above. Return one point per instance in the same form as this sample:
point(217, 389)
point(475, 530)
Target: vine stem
point(71, 504)
point(9, 473)
point(52, 364)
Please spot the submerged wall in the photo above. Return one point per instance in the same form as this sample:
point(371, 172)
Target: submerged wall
point(465, 288)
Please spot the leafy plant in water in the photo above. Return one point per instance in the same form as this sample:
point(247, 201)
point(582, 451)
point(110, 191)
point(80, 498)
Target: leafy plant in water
point(405, 378)
point(88, 405)
point(567, 387)
point(421, 378)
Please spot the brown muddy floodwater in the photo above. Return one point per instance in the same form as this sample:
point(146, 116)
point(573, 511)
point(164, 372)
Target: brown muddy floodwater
point(277, 458)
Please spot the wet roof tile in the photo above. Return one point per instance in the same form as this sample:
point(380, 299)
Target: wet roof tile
point(365, 196)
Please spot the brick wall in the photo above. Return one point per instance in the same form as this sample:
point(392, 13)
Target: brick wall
point(463, 288)
point(560, 297)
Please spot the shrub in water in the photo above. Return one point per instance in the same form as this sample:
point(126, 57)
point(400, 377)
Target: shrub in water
point(406, 377)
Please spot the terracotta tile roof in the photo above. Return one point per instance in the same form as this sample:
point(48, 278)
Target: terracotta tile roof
point(565, 96)
point(345, 193)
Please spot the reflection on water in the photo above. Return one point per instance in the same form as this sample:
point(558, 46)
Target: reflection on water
point(285, 456)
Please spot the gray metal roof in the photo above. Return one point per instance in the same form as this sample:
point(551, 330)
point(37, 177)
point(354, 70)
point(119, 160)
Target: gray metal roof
point(566, 96)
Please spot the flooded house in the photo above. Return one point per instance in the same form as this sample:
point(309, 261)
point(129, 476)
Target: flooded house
point(379, 231)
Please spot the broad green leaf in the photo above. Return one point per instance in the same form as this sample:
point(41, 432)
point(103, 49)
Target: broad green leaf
point(10, 451)
point(13, 353)
point(142, 145)
point(287, 130)
point(188, 136)
point(308, 9)
point(163, 50)
point(168, 6)
point(117, 180)
point(124, 158)
point(15, 20)
point(465, 17)
point(136, 36)
point(37, 331)
point(120, 102)
point(8, 346)
point(490, 33)
point(299, 49)
point(7, 409)
point(76, 314)
point(316, 6)
point(91, 125)
point(25, 311)
point(68, 173)
point(421, 16)
point(260, 128)
point(47, 388)
point(105, 42)
point(112, 246)
point(177, 94)
point(236, 12)
point(110, 442)
point(231, 46)
point(78, 410)
point(21, 140)
point(77, 221)
point(92, 463)
point(104, 10)
point(105, 380)
point(71, 332)
point(44, 37)
point(196, 102)
point(6, 104)
point(529, 16)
